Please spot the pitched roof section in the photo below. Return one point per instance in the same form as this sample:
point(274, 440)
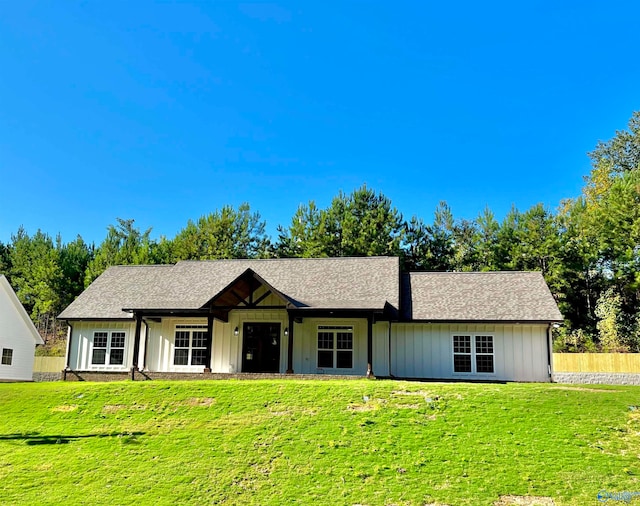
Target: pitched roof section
point(316, 283)
point(20, 311)
point(478, 296)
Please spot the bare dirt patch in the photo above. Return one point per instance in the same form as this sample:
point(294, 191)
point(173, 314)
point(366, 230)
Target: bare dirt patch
point(203, 402)
point(419, 393)
point(362, 407)
point(65, 408)
point(113, 408)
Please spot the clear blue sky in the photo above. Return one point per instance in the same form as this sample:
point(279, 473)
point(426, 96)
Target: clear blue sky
point(166, 111)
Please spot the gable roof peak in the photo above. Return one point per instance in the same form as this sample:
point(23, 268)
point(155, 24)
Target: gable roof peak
point(320, 283)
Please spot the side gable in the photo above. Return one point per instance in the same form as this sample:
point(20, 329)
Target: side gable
point(9, 299)
point(478, 297)
point(363, 283)
point(123, 286)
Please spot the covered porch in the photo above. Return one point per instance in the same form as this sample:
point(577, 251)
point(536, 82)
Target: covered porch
point(250, 327)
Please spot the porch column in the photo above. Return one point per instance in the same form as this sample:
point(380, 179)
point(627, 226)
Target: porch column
point(67, 367)
point(370, 346)
point(146, 344)
point(290, 345)
point(68, 355)
point(136, 345)
point(209, 342)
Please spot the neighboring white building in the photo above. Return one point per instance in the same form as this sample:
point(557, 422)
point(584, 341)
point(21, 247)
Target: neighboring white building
point(18, 337)
point(346, 316)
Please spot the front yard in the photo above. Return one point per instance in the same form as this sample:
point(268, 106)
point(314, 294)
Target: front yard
point(316, 442)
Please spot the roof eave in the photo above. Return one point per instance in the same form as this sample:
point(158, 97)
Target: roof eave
point(468, 321)
point(96, 319)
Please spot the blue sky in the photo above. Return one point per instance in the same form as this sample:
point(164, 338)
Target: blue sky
point(162, 112)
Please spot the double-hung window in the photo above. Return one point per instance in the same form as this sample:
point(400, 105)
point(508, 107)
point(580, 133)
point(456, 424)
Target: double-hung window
point(473, 354)
point(7, 356)
point(190, 345)
point(335, 347)
point(108, 348)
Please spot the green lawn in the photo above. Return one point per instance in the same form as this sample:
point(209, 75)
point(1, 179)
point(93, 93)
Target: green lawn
point(315, 442)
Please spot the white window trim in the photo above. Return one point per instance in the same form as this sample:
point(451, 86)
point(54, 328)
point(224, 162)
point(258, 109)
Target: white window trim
point(335, 328)
point(107, 357)
point(10, 355)
point(473, 371)
point(188, 327)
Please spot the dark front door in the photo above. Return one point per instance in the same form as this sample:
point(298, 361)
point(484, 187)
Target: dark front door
point(261, 347)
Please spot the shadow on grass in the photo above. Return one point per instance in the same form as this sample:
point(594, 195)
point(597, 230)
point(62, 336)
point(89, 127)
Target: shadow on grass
point(34, 438)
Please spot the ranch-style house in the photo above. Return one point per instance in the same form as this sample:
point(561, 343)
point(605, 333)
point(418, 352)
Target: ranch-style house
point(336, 316)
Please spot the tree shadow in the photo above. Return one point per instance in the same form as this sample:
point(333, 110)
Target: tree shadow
point(35, 438)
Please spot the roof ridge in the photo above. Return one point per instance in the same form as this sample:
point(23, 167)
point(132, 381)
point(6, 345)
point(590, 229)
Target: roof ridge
point(286, 259)
point(140, 265)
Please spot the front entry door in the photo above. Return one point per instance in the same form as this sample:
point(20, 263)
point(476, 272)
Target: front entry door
point(261, 347)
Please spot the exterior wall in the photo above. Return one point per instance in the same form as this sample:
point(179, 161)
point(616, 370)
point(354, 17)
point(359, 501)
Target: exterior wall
point(15, 335)
point(81, 347)
point(160, 345)
point(228, 347)
point(226, 350)
point(417, 350)
point(381, 335)
point(305, 349)
point(226, 353)
point(426, 351)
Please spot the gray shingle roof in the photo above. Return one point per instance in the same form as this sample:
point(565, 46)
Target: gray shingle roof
point(319, 283)
point(478, 296)
point(326, 283)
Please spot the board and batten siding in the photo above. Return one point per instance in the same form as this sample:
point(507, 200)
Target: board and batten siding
point(417, 350)
point(161, 345)
point(226, 352)
point(426, 351)
point(305, 349)
point(381, 334)
point(227, 347)
point(81, 349)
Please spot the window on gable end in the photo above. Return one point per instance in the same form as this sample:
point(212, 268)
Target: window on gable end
point(7, 356)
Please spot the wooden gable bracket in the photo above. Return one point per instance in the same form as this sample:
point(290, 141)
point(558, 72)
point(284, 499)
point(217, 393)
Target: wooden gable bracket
point(261, 298)
point(239, 294)
point(241, 300)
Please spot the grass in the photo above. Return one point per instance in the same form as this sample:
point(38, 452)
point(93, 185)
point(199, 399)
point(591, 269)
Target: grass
point(315, 442)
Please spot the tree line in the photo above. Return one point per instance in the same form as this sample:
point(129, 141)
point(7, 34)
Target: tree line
point(588, 249)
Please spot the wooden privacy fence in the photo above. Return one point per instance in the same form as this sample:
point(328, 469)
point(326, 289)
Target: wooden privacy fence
point(48, 364)
point(597, 362)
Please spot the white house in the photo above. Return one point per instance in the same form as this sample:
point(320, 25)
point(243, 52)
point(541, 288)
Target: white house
point(346, 316)
point(18, 337)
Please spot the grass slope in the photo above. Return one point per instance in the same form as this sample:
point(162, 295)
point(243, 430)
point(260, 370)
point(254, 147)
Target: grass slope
point(304, 442)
